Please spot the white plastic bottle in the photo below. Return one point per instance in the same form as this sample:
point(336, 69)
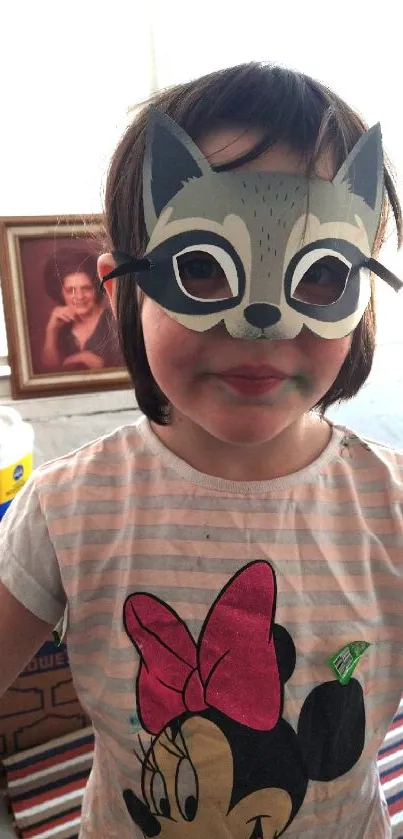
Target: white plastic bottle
point(16, 455)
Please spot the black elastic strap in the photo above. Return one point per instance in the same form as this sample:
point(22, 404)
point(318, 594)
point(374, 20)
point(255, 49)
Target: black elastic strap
point(126, 265)
point(384, 273)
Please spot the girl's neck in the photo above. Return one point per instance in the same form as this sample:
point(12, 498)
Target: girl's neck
point(293, 449)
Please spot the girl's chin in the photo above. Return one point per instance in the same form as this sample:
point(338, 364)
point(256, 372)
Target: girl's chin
point(253, 429)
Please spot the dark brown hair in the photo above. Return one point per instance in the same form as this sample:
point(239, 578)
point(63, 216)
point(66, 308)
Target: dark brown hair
point(290, 108)
point(65, 261)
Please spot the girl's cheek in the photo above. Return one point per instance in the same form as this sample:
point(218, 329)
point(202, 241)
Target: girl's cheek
point(167, 342)
point(341, 349)
point(325, 352)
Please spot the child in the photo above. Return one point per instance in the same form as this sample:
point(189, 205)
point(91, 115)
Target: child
point(230, 564)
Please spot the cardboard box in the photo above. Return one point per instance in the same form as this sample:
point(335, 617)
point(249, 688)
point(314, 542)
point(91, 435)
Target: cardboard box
point(41, 704)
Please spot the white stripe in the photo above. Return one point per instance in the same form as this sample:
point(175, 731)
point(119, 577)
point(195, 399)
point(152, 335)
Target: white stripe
point(394, 733)
point(55, 830)
point(392, 758)
point(389, 785)
point(50, 770)
point(397, 818)
point(40, 808)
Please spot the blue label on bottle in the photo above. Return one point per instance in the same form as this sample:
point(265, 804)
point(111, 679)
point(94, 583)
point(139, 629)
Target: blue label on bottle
point(18, 472)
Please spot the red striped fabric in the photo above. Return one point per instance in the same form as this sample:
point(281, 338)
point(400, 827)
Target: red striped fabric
point(46, 786)
point(390, 764)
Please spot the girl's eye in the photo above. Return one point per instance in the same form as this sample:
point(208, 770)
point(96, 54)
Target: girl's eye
point(159, 795)
point(208, 274)
point(323, 282)
point(187, 789)
point(202, 276)
point(199, 266)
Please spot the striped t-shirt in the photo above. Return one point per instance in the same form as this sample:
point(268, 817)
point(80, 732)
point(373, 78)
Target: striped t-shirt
point(203, 617)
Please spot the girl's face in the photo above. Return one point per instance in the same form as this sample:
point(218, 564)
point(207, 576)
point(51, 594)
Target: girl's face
point(240, 391)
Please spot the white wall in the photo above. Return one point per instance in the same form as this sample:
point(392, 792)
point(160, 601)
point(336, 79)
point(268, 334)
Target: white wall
point(69, 72)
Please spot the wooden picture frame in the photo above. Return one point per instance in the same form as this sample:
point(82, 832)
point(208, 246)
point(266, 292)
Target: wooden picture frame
point(61, 334)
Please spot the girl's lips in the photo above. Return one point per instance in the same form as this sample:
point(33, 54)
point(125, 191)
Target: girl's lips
point(252, 386)
point(253, 380)
point(251, 371)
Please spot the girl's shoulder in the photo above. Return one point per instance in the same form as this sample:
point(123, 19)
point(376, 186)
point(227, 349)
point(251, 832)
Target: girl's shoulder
point(364, 453)
point(105, 457)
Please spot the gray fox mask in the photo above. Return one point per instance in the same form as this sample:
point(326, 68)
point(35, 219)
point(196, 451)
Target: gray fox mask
point(265, 253)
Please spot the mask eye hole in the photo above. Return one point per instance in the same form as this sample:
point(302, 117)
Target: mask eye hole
point(206, 273)
point(320, 278)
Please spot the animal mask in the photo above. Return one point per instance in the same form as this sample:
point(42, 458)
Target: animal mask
point(265, 253)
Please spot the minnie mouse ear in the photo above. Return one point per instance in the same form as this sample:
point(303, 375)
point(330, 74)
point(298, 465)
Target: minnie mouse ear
point(331, 729)
point(285, 652)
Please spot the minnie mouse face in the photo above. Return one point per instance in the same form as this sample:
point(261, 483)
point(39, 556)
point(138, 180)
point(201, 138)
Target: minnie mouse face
point(188, 784)
point(223, 761)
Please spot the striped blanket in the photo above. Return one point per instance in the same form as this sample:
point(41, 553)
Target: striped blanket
point(390, 764)
point(46, 784)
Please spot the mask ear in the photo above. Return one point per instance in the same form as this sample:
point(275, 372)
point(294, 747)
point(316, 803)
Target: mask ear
point(363, 169)
point(171, 158)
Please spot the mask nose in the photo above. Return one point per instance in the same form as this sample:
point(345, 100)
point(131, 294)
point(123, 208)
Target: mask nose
point(262, 315)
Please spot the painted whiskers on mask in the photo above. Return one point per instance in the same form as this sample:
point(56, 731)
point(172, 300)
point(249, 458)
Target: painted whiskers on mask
point(265, 253)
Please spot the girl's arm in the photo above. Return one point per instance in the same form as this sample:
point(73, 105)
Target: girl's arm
point(21, 636)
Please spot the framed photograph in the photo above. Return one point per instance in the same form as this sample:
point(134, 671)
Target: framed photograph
point(61, 334)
